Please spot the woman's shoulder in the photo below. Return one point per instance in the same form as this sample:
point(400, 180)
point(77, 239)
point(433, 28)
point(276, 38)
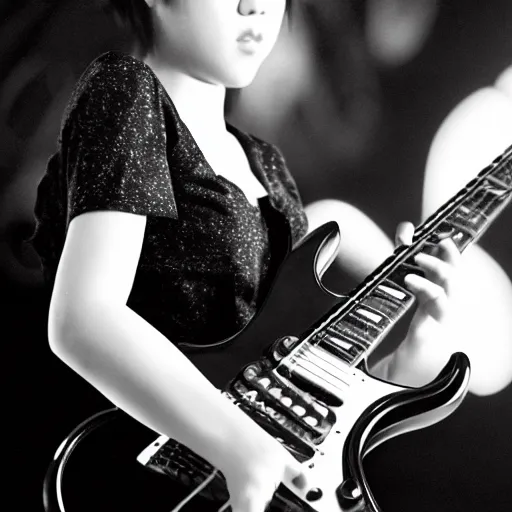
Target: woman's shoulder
point(115, 69)
point(113, 77)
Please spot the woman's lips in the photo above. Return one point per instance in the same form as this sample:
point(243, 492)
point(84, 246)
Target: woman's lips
point(250, 36)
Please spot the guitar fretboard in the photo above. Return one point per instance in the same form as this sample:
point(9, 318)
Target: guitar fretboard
point(351, 330)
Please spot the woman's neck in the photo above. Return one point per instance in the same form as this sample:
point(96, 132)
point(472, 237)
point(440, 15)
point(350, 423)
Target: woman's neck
point(199, 104)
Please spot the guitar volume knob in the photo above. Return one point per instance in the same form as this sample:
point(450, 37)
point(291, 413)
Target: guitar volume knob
point(252, 372)
point(314, 494)
point(348, 493)
point(282, 347)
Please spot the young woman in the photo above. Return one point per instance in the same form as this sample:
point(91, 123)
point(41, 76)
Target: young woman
point(154, 225)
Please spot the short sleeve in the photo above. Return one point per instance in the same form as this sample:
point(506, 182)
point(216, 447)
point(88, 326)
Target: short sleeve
point(114, 142)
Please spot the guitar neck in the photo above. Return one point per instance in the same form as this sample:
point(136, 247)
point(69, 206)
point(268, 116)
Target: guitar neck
point(352, 329)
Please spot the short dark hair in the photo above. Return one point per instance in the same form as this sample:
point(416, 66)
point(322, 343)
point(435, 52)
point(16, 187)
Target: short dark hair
point(135, 15)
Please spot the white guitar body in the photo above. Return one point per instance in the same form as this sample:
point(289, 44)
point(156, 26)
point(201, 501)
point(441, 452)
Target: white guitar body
point(324, 470)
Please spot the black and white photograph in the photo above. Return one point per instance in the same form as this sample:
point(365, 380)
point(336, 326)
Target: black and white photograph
point(256, 256)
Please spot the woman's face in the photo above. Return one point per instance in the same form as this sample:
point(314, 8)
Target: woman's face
point(211, 40)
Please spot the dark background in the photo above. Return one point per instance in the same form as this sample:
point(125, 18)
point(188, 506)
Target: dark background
point(463, 463)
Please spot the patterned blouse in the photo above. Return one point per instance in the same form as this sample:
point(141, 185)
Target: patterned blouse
point(208, 254)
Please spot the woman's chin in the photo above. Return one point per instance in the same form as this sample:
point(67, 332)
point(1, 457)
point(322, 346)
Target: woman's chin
point(238, 74)
point(240, 81)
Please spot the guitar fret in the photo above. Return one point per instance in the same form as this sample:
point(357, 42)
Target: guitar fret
point(370, 314)
point(473, 216)
point(475, 208)
point(492, 199)
point(353, 327)
point(467, 215)
point(494, 186)
point(351, 335)
point(480, 202)
point(503, 174)
point(461, 238)
point(332, 345)
point(346, 350)
point(340, 343)
point(389, 312)
point(463, 227)
point(393, 293)
point(390, 309)
point(496, 181)
point(365, 328)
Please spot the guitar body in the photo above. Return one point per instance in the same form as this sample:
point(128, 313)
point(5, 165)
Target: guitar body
point(96, 467)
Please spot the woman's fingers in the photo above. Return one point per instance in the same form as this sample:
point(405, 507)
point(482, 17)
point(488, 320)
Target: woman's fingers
point(440, 268)
point(431, 296)
point(437, 271)
point(448, 251)
point(404, 233)
point(445, 249)
point(256, 496)
point(253, 500)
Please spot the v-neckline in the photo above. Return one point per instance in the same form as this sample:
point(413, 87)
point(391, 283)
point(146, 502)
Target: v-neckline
point(245, 142)
point(243, 138)
point(253, 160)
point(254, 165)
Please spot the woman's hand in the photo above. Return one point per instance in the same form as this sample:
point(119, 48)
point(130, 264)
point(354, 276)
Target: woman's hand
point(425, 349)
point(254, 467)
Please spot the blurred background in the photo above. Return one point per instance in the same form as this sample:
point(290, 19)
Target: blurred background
point(354, 94)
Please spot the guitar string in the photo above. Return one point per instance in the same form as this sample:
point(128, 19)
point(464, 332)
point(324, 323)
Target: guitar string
point(320, 378)
point(196, 491)
point(311, 356)
point(303, 357)
point(212, 475)
point(208, 480)
point(306, 356)
point(323, 375)
point(225, 506)
point(296, 363)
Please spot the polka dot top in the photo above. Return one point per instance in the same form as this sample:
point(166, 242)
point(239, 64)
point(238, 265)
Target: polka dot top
point(208, 254)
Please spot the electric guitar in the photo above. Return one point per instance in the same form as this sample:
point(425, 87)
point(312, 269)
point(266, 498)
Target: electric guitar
point(313, 394)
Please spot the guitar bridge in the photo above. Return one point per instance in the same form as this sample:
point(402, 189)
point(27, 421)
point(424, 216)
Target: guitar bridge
point(292, 416)
point(174, 460)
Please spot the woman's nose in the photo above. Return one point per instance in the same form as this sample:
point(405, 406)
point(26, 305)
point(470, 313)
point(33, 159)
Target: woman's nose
point(249, 7)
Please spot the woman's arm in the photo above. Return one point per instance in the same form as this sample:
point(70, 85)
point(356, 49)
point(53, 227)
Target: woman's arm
point(93, 331)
